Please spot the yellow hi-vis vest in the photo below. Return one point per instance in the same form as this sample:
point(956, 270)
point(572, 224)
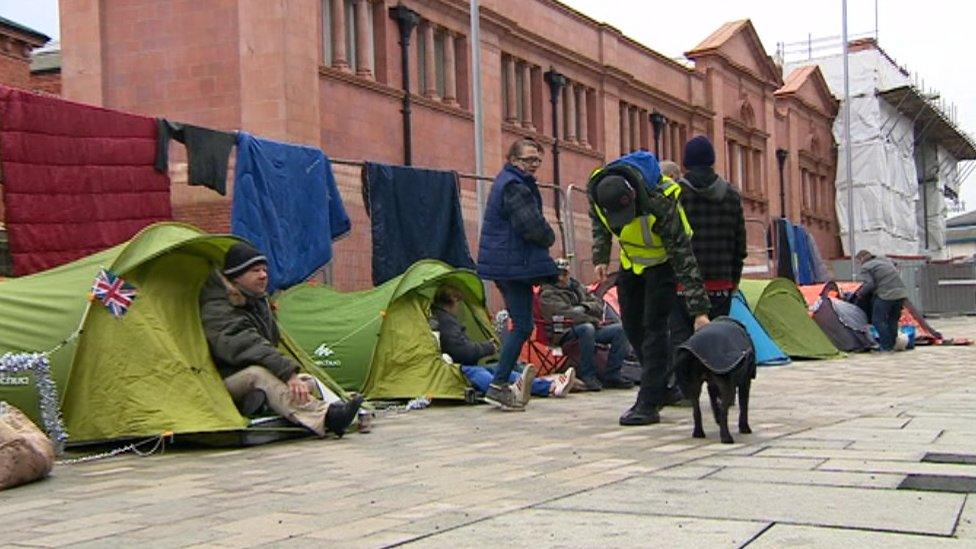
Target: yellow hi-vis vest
point(640, 247)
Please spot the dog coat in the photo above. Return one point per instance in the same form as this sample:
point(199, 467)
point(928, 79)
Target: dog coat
point(722, 345)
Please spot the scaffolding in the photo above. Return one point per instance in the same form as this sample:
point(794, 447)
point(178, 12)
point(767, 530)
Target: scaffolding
point(906, 145)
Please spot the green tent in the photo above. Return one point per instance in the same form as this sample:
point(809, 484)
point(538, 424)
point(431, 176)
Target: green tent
point(780, 308)
point(143, 374)
point(378, 342)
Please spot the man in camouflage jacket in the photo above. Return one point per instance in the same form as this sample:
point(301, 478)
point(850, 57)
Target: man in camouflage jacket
point(629, 197)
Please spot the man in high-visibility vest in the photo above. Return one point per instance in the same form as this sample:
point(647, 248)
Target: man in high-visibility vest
point(630, 199)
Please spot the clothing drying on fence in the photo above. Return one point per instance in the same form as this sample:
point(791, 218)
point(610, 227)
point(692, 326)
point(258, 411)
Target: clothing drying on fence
point(287, 204)
point(415, 214)
point(207, 152)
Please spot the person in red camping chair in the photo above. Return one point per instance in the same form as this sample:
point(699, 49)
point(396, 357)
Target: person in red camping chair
point(568, 301)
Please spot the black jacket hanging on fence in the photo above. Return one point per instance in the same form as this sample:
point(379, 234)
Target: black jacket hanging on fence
point(415, 214)
point(207, 152)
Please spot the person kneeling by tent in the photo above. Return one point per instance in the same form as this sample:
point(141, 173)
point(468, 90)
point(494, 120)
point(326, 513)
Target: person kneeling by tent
point(455, 343)
point(886, 291)
point(242, 333)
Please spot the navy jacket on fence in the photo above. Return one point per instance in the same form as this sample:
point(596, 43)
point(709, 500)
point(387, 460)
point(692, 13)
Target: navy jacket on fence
point(415, 214)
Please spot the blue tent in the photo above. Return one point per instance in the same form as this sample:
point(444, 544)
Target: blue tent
point(767, 352)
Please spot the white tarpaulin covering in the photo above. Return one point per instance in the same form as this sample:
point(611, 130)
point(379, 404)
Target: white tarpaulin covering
point(887, 209)
point(884, 176)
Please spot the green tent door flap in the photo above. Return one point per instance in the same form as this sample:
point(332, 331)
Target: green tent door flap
point(144, 374)
point(378, 341)
point(780, 308)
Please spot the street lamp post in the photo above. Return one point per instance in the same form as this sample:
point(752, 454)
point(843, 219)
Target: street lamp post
point(781, 155)
point(556, 83)
point(657, 122)
point(407, 20)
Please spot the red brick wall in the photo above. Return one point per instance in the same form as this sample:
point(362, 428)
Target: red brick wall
point(48, 82)
point(14, 71)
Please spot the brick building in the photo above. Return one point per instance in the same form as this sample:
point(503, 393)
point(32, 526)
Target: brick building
point(16, 44)
point(328, 73)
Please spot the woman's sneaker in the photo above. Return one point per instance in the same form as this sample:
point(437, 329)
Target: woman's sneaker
point(562, 384)
point(504, 397)
point(523, 385)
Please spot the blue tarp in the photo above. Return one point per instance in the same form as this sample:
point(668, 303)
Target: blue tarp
point(287, 204)
point(767, 352)
point(415, 214)
point(804, 260)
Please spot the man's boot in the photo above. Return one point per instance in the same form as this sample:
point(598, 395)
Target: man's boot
point(341, 414)
point(640, 414)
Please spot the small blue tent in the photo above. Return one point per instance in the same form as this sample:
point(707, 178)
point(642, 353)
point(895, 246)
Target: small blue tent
point(767, 352)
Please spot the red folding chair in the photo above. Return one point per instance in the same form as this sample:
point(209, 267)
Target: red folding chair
point(548, 357)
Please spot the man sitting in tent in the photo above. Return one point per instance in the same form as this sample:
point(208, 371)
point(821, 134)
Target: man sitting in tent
point(456, 344)
point(569, 299)
point(242, 333)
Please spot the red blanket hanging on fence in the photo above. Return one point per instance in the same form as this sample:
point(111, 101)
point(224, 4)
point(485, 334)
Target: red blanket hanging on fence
point(77, 179)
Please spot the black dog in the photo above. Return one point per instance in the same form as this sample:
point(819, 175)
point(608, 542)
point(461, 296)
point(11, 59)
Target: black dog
point(720, 354)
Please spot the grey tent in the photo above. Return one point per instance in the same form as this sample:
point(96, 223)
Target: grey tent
point(845, 324)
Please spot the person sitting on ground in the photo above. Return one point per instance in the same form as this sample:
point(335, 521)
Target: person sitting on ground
point(883, 286)
point(242, 333)
point(584, 313)
point(456, 344)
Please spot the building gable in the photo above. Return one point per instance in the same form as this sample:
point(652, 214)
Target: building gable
point(807, 84)
point(738, 44)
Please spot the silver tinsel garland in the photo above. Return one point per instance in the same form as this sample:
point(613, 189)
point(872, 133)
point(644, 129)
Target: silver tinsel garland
point(49, 404)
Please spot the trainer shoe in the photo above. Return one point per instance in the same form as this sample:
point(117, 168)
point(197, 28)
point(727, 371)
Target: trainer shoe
point(563, 383)
point(504, 397)
point(523, 385)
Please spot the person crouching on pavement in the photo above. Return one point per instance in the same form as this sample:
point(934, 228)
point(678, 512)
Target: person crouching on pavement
point(568, 299)
point(630, 200)
point(243, 335)
point(513, 251)
point(882, 284)
point(455, 342)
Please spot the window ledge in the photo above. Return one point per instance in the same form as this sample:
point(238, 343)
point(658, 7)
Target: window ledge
point(417, 99)
point(351, 78)
point(547, 140)
point(823, 218)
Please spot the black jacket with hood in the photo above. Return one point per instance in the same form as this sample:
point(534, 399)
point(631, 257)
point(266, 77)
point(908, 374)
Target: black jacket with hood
point(714, 210)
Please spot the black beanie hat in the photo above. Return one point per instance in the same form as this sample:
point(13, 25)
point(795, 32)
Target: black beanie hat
point(241, 257)
point(698, 152)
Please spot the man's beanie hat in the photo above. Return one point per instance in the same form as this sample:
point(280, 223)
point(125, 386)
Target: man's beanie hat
point(699, 152)
point(241, 257)
point(616, 197)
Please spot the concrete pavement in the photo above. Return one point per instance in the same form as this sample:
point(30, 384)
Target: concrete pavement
point(832, 441)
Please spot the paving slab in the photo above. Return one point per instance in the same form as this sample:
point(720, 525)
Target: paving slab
point(548, 528)
point(787, 535)
point(898, 511)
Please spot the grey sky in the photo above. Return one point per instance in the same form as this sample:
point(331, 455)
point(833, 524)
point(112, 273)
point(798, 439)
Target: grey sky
point(933, 39)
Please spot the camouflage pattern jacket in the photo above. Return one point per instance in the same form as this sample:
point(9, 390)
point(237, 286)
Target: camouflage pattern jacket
point(668, 226)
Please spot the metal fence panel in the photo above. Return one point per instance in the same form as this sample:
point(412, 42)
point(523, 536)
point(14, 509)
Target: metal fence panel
point(948, 288)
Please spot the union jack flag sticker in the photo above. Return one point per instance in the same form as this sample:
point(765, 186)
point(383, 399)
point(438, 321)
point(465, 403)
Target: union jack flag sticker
point(116, 294)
